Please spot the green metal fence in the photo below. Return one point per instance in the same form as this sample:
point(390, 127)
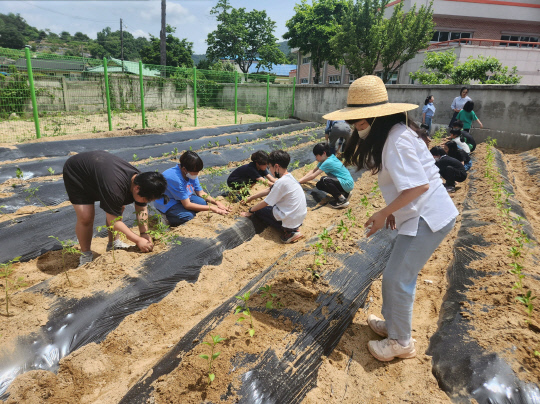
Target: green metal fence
point(48, 95)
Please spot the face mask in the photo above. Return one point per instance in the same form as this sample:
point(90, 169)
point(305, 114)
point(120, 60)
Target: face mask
point(277, 174)
point(191, 176)
point(364, 132)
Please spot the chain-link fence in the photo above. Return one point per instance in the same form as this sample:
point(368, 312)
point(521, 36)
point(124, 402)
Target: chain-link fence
point(50, 95)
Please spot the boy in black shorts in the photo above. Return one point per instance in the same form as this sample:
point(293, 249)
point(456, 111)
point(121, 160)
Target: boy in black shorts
point(101, 176)
point(450, 169)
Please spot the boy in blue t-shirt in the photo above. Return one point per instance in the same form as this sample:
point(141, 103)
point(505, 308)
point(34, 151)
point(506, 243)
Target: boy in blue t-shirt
point(186, 196)
point(338, 182)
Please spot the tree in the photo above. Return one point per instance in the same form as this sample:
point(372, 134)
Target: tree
point(178, 51)
point(442, 69)
point(107, 44)
point(11, 38)
point(245, 37)
point(65, 36)
point(42, 35)
point(311, 29)
point(79, 36)
point(368, 40)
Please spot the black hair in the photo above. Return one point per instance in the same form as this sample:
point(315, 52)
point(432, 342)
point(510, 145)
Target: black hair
point(260, 157)
point(469, 106)
point(321, 148)
point(152, 185)
point(279, 157)
point(437, 151)
point(462, 89)
point(452, 148)
point(458, 123)
point(423, 134)
point(426, 102)
point(367, 153)
point(191, 161)
point(456, 132)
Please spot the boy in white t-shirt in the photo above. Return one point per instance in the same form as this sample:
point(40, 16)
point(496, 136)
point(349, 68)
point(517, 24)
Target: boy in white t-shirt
point(285, 206)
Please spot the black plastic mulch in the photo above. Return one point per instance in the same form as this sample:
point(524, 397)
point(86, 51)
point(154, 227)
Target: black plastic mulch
point(463, 368)
point(64, 147)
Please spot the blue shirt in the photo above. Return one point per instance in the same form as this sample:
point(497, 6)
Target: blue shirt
point(332, 166)
point(429, 110)
point(178, 188)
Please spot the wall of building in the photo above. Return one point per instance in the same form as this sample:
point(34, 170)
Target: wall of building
point(512, 113)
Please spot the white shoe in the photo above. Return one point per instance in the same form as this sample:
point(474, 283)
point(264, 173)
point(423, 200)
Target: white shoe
point(388, 349)
point(85, 258)
point(118, 245)
point(378, 325)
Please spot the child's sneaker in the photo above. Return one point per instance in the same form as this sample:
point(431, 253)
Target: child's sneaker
point(291, 237)
point(85, 258)
point(378, 325)
point(388, 349)
point(340, 203)
point(118, 245)
point(450, 189)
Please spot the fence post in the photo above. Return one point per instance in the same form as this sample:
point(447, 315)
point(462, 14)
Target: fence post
point(267, 95)
point(195, 94)
point(235, 96)
point(32, 91)
point(293, 90)
point(142, 95)
point(107, 94)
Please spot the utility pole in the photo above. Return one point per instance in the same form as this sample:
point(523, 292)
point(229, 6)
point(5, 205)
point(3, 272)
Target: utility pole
point(163, 34)
point(122, 45)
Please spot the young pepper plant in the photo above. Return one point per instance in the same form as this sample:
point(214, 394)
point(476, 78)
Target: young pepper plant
point(10, 285)
point(68, 247)
point(244, 309)
point(114, 233)
point(266, 293)
point(216, 339)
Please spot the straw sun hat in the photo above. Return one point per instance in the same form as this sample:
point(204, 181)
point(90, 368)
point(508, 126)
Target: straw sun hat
point(367, 98)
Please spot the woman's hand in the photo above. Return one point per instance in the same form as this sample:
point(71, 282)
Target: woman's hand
point(375, 223)
point(391, 222)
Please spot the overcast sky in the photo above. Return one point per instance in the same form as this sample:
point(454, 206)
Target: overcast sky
point(191, 18)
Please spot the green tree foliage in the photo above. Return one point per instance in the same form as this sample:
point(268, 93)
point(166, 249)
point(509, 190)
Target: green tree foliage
point(441, 68)
point(15, 31)
point(311, 29)
point(79, 36)
point(108, 44)
point(246, 37)
point(11, 38)
point(178, 51)
point(366, 39)
point(65, 36)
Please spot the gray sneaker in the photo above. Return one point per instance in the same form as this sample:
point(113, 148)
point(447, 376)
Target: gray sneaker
point(118, 245)
point(85, 258)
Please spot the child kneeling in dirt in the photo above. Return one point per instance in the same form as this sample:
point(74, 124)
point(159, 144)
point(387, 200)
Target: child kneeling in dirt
point(185, 194)
point(250, 173)
point(338, 182)
point(450, 169)
point(285, 206)
point(101, 176)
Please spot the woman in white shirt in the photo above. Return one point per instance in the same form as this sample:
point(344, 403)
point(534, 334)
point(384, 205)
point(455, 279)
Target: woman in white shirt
point(458, 103)
point(417, 204)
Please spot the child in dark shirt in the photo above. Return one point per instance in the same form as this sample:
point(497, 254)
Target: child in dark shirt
point(452, 150)
point(450, 169)
point(464, 136)
point(250, 173)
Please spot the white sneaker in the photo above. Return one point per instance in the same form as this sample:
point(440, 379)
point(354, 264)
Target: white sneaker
point(388, 349)
point(85, 258)
point(118, 245)
point(378, 325)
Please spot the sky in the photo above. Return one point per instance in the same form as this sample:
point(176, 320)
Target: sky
point(191, 18)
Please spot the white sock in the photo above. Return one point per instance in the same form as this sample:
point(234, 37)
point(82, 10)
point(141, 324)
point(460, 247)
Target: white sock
point(404, 342)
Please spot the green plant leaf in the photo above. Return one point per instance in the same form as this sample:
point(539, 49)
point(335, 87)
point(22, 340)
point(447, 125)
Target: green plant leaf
point(211, 377)
point(240, 319)
point(204, 356)
point(214, 356)
point(251, 332)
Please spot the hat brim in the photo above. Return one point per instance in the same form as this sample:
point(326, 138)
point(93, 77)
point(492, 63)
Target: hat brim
point(351, 113)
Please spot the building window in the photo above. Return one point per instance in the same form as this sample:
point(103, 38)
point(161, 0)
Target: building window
point(352, 77)
point(305, 60)
point(334, 79)
point(393, 79)
point(521, 38)
point(303, 81)
point(441, 36)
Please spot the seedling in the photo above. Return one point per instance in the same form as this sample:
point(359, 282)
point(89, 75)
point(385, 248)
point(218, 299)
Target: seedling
point(342, 227)
point(175, 151)
point(32, 194)
point(209, 144)
point(68, 247)
point(295, 165)
point(266, 293)
point(50, 170)
point(216, 339)
point(327, 239)
point(10, 285)
point(18, 173)
point(135, 157)
point(110, 229)
point(160, 232)
point(216, 143)
point(526, 300)
point(237, 139)
point(229, 140)
point(243, 308)
point(350, 216)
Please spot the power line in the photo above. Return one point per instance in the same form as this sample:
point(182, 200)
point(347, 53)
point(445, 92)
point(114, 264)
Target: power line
point(67, 15)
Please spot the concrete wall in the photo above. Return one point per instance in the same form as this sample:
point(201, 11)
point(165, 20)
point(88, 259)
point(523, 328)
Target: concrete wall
point(509, 113)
